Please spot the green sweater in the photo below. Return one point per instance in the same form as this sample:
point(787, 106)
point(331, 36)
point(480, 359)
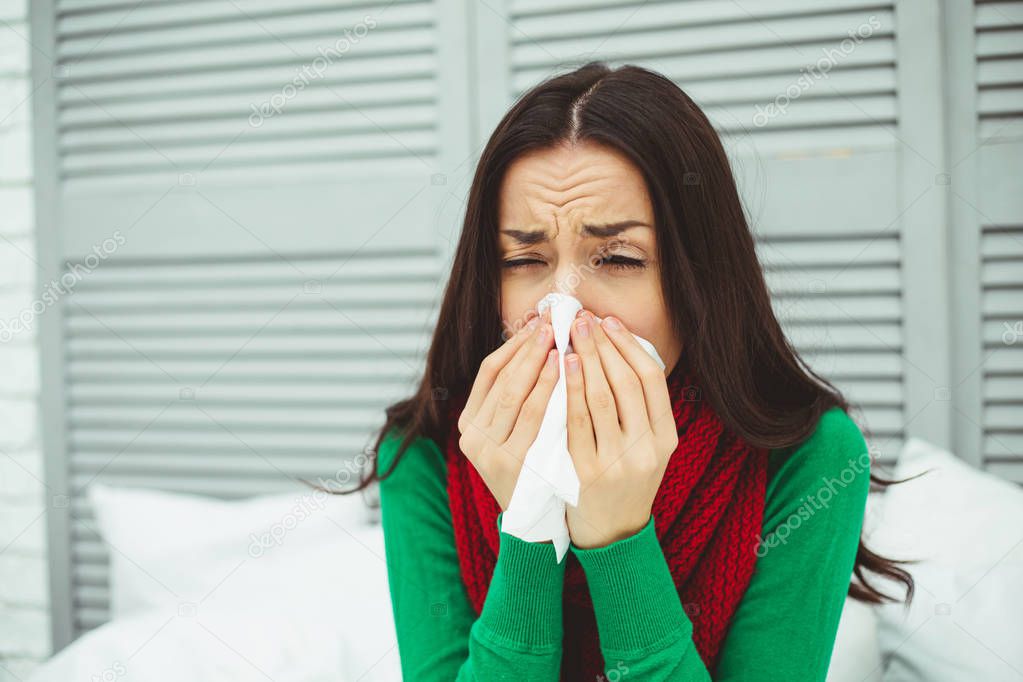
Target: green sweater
point(783, 629)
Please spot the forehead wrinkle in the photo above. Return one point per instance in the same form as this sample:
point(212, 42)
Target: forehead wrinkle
point(569, 190)
point(556, 195)
point(546, 209)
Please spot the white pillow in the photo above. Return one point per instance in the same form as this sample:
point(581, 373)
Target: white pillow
point(856, 657)
point(181, 548)
point(305, 555)
point(965, 527)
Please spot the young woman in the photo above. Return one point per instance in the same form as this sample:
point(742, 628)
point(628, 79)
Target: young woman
point(722, 498)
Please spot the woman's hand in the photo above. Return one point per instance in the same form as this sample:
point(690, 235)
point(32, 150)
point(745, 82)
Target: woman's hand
point(507, 402)
point(621, 431)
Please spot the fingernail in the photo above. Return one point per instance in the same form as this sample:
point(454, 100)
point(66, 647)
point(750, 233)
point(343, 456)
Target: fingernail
point(612, 323)
point(572, 362)
point(541, 336)
point(531, 325)
point(583, 325)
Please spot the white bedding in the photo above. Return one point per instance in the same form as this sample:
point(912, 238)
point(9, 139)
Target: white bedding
point(196, 594)
point(258, 641)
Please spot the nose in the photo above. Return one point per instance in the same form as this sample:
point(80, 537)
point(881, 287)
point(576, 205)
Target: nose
point(572, 279)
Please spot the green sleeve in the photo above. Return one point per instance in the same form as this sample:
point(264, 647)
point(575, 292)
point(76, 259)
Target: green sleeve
point(517, 635)
point(784, 628)
point(816, 498)
point(645, 633)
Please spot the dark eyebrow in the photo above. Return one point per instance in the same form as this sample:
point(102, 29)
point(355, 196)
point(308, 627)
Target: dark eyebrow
point(529, 237)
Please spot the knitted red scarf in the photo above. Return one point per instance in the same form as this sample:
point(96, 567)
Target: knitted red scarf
point(707, 514)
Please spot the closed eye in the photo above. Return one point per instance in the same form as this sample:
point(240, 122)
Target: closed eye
point(614, 261)
point(521, 262)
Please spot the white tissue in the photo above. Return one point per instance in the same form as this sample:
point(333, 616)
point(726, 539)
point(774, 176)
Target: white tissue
point(548, 481)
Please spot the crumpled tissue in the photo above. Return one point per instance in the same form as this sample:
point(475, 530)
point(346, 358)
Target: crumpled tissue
point(548, 480)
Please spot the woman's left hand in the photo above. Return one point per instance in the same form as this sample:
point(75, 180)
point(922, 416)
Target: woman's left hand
point(621, 431)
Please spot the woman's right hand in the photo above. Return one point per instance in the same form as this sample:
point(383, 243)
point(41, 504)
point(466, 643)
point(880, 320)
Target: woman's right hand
point(507, 402)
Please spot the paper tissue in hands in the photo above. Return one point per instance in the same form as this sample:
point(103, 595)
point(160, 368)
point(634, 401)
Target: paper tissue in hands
point(548, 481)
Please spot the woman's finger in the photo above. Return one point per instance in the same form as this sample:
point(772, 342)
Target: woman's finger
point(599, 398)
point(522, 379)
point(491, 367)
point(655, 386)
point(484, 410)
point(502, 405)
point(527, 426)
point(626, 386)
point(581, 442)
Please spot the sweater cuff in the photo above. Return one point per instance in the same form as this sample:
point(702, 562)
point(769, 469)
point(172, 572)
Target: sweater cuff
point(634, 596)
point(523, 608)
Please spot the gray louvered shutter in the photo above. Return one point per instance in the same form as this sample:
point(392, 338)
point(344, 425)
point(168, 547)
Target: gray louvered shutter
point(999, 128)
point(263, 214)
point(835, 260)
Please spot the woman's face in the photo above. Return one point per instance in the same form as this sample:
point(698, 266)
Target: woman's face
point(578, 220)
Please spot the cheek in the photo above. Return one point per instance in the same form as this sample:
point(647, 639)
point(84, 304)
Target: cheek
point(648, 324)
point(649, 318)
point(654, 324)
point(516, 302)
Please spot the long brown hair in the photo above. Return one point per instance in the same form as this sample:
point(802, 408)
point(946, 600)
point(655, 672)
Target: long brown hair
point(714, 287)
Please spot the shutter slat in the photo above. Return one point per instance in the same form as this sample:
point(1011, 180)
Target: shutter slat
point(839, 301)
point(326, 317)
point(384, 78)
point(346, 295)
point(156, 439)
point(538, 40)
point(186, 30)
point(703, 69)
point(85, 16)
point(1009, 357)
point(362, 266)
point(140, 371)
point(999, 61)
point(841, 83)
point(354, 147)
point(342, 125)
point(1002, 334)
point(1000, 302)
point(841, 310)
point(999, 14)
point(806, 252)
point(382, 344)
point(247, 396)
point(200, 463)
point(299, 51)
point(1004, 447)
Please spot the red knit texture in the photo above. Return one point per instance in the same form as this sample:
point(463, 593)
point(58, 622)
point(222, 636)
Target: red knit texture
point(707, 513)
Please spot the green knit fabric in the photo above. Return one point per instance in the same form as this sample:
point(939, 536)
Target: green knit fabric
point(783, 629)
